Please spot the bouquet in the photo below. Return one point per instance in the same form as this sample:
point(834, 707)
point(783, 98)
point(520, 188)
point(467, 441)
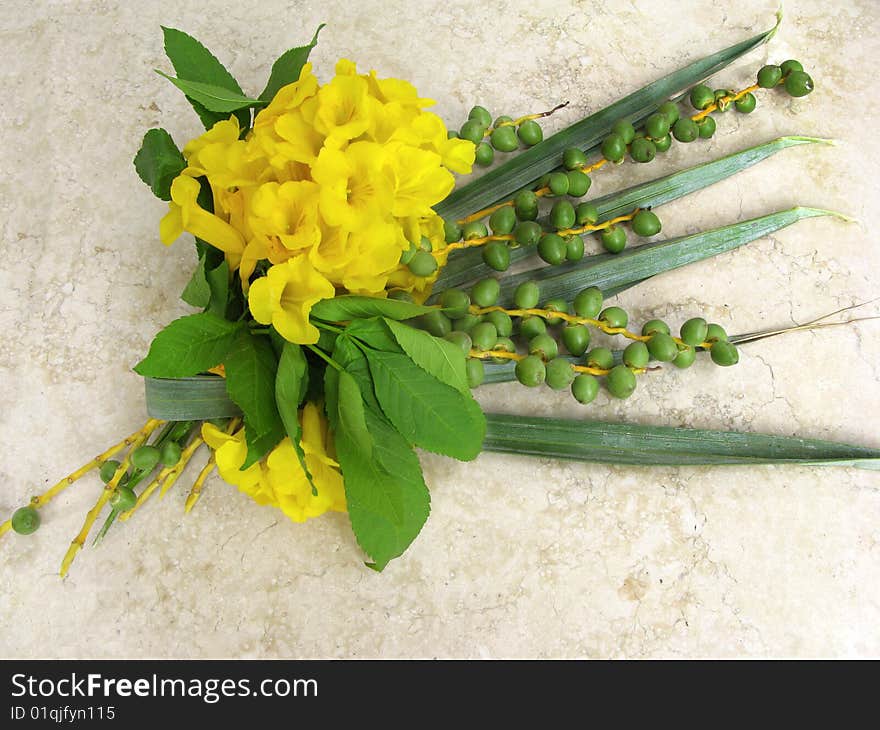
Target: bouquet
point(351, 296)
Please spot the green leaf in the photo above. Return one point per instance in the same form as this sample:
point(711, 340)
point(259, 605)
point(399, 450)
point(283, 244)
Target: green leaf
point(428, 413)
point(466, 265)
point(287, 68)
point(291, 383)
point(251, 368)
point(616, 273)
point(352, 421)
point(193, 62)
point(623, 443)
point(528, 166)
point(439, 357)
point(158, 162)
point(197, 292)
point(213, 98)
point(350, 306)
point(189, 346)
point(198, 398)
point(218, 283)
point(385, 491)
point(373, 332)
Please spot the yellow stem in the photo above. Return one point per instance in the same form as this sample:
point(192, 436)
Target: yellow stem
point(504, 355)
point(178, 468)
point(526, 118)
point(729, 99)
point(196, 490)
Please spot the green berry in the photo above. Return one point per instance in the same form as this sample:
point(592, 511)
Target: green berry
point(585, 388)
point(573, 158)
point(769, 76)
point(694, 331)
point(502, 321)
point(586, 214)
point(504, 139)
point(25, 520)
point(108, 469)
point(621, 382)
point(555, 305)
point(601, 358)
point(407, 255)
point(646, 223)
point(531, 371)
point(588, 302)
point(481, 115)
point(685, 130)
point(472, 131)
point(476, 372)
point(123, 499)
point(562, 215)
point(484, 155)
point(461, 340)
point(473, 230)
point(722, 99)
point(685, 357)
point(401, 296)
point(544, 346)
point(530, 133)
point(452, 231)
point(636, 355)
point(614, 317)
point(437, 323)
point(503, 221)
point(642, 150)
point(669, 109)
point(798, 83)
point(455, 303)
point(527, 295)
point(790, 65)
point(576, 338)
point(578, 183)
point(496, 255)
point(724, 353)
point(532, 326)
point(614, 148)
point(171, 453)
point(145, 458)
point(652, 326)
point(574, 248)
point(422, 264)
point(485, 292)
point(484, 336)
point(625, 130)
point(701, 96)
point(558, 183)
point(746, 104)
point(467, 323)
point(451, 134)
point(663, 144)
point(503, 344)
point(560, 374)
point(662, 347)
point(552, 248)
point(527, 233)
point(657, 125)
point(613, 239)
point(706, 127)
point(715, 333)
point(502, 120)
point(525, 205)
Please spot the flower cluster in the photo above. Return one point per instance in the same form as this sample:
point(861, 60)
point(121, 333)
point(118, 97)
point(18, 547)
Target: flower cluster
point(331, 186)
point(279, 479)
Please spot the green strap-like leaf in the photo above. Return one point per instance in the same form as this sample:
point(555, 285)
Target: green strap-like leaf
point(287, 68)
point(350, 306)
point(622, 443)
point(199, 398)
point(528, 166)
point(158, 162)
point(291, 382)
point(213, 98)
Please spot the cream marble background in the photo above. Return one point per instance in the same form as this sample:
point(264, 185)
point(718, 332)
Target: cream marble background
point(521, 558)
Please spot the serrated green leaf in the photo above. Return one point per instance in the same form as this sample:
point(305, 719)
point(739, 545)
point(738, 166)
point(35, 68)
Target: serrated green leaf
point(213, 98)
point(158, 162)
point(287, 68)
point(441, 358)
point(528, 166)
point(428, 413)
point(197, 292)
point(352, 420)
point(251, 368)
point(623, 443)
point(291, 383)
point(189, 346)
point(350, 307)
point(218, 283)
point(374, 333)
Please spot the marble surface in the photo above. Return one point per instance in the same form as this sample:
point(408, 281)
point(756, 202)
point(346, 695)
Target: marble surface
point(520, 558)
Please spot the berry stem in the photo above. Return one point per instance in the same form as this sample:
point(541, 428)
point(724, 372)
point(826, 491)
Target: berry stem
point(505, 355)
point(526, 118)
point(196, 491)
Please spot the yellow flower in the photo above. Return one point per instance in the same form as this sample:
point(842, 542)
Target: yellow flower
point(284, 298)
point(420, 180)
point(185, 214)
point(287, 211)
point(230, 451)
